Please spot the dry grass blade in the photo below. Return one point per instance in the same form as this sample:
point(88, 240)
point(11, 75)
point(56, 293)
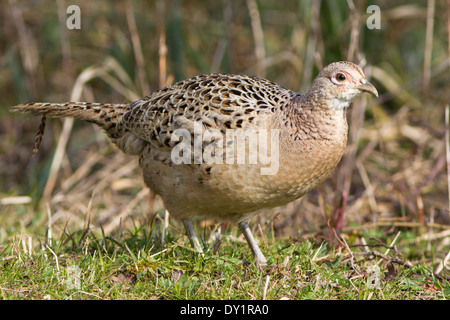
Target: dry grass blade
point(353, 49)
point(428, 48)
point(29, 50)
point(391, 246)
point(370, 190)
point(121, 82)
point(266, 286)
point(395, 87)
point(87, 75)
point(137, 48)
point(312, 44)
point(127, 211)
point(162, 46)
point(58, 158)
point(258, 36)
point(447, 150)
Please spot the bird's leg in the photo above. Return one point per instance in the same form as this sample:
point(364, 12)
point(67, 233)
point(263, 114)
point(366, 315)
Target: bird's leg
point(195, 243)
point(261, 261)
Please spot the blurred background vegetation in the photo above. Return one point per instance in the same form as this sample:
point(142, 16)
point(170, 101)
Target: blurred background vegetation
point(394, 174)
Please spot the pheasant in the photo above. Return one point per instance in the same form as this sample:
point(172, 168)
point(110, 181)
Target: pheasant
point(204, 143)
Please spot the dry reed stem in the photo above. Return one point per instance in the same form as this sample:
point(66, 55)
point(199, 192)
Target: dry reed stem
point(137, 48)
point(6, 201)
point(369, 188)
point(66, 51)
point(58, 158)
point(28, 48)
point(448, 27)
point(258, 37)
point(428, 49)
point(447, 150)
point(87, 75)
point(311, 46)
point(162, 47)
point(353, 48)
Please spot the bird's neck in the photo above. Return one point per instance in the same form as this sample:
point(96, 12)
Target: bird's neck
point(312, 118)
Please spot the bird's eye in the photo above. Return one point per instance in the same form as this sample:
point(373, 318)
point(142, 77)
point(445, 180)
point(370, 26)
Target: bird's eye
point(340, 77)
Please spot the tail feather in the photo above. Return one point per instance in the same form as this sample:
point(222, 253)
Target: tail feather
point(103, 114)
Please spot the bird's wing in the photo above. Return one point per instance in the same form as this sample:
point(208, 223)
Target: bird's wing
point(218, 101)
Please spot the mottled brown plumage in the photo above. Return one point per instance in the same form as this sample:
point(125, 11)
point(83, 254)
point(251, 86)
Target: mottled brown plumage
point(311, 128)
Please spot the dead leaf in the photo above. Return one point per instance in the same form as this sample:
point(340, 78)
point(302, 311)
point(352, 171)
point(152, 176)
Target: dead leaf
point(127, 278)
point(176, 275)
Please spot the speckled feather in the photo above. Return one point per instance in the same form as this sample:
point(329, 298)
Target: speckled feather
point(219, 101)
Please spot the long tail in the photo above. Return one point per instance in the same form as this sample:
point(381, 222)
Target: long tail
point(105, 115)
point(102, 114)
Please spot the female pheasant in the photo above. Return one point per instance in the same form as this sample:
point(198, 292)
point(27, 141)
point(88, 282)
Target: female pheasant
point(225, 146)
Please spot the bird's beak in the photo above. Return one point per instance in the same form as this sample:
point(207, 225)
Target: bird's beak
point(366, 86)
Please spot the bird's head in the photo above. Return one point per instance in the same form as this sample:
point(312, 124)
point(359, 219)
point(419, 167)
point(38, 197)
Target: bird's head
point(339, 83)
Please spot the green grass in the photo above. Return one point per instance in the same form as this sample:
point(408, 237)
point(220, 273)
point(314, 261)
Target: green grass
point(85, 265)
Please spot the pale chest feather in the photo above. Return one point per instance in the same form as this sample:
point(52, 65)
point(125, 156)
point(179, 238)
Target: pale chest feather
point(231, 190)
